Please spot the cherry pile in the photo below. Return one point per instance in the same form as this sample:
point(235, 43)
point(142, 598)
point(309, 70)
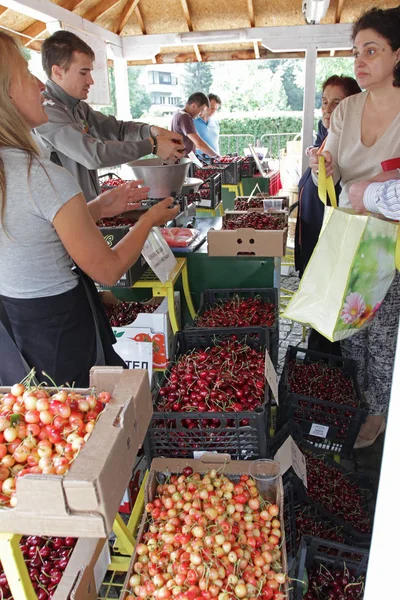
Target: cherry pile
point(111, 182)
point(334, 584)
point(330, 488)
point(319, 380)
point(118, 221)
point(206, 172)
point(42, 432)
point(245, 204)
point(46, 559)
point(124, 313)
point(262, 221)
point(209, 537)
point(226, 377)
point(308, 522)
point(239, 312)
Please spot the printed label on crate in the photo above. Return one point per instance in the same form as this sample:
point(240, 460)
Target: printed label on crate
point(319, 430)
point(137, 355)
point(271, 376)
point(158, 255)
point(197, 454)
point(290, 455)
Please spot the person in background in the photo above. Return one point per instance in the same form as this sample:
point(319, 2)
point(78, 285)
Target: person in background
point(365, 131)
point(310, 208)
point(183, 123)
point(51, 317)
point(379, 196)
point(79, 138)
point(207, 125)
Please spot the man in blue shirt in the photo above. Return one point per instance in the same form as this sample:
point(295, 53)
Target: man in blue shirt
point(207, 125)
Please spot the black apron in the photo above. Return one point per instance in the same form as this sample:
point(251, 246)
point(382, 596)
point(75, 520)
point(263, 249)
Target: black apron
point(61, 336)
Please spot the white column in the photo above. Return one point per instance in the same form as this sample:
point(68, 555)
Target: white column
point(384, 554)
point(122, 89)
point(309, 103)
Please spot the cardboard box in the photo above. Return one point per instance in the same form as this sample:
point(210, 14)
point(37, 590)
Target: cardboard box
point(207, 462)
point(246, 241)
point(112, 236)
point(85, 570)
point(85, 501)
point(153, 327)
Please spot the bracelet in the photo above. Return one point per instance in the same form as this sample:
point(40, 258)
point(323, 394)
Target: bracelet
point(155, 145)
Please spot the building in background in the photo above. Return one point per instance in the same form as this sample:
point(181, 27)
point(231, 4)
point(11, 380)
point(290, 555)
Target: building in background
point(163, 84)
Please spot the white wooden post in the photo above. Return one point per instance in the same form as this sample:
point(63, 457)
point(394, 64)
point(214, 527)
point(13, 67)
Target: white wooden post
point(384, 553)
point(308, 104)
point(122, 89)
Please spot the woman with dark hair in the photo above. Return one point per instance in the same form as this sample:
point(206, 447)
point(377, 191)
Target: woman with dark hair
point(364, 131)
point(311, 209)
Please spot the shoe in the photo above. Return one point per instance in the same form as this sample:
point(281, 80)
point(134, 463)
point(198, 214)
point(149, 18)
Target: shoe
point(366, 442)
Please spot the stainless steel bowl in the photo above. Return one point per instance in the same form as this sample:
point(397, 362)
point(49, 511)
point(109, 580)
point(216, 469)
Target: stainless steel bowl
point(163, 180)
point(191, 185)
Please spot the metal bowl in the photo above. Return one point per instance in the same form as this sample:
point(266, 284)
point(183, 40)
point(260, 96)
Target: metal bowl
point(191, 185)
point(163, 180)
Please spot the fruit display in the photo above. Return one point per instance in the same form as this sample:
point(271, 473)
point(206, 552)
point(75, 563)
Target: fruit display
point(227, 160)
point(245, 204)
point(226, 377)
point(42, 432)
point(319, 380)
point(111, 181)
point(309, 522)
point(338, 583)
point(125, 313)
point(209, 536)
point(46, 559)
point(239, 312)
point(335, 492)
point(261, 221)
point(118, 221)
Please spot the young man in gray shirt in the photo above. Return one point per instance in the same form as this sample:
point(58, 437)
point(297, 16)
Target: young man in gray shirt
point(79, 138)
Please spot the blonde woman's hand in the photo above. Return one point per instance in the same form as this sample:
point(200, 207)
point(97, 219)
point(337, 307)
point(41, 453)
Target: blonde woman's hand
point(120, 199)
point(160, 213)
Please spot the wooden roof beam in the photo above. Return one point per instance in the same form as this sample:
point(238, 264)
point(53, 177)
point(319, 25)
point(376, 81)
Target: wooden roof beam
point(250, 6)
point(140, 20)
point(256, 50)
point(126, 14)
point(186, 12)
point(338, 11)
point(99, 9)
point(197, 53)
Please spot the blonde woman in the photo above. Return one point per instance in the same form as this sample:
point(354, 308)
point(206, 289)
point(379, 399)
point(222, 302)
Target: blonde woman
point(49, 319)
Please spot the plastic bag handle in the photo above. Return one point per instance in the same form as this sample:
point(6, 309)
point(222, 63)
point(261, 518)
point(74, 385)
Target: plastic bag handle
point(325, 184)
point(256, 187)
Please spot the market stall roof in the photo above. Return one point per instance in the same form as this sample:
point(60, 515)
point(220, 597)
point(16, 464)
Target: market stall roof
point(145, 18)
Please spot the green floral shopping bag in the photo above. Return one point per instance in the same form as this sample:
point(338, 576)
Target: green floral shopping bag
point(349, 273)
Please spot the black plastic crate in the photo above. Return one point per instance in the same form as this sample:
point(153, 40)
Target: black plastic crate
point(210, 192)
point(365, 485)
point(290, 525)
point(112, 236)
point(231, 174)
point(248, 167)
point(103, 178)
point(213, 296)
point(243, 435)
point(315, 552)
point(327, 425)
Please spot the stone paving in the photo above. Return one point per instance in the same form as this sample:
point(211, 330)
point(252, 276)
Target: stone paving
point(290, 333)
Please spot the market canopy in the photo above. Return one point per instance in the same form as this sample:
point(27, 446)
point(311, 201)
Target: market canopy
point(145, 31)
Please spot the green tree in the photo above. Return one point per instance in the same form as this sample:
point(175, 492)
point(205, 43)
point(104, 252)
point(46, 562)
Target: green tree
point(197, 77)
point(331, 66)
point(140, 100)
